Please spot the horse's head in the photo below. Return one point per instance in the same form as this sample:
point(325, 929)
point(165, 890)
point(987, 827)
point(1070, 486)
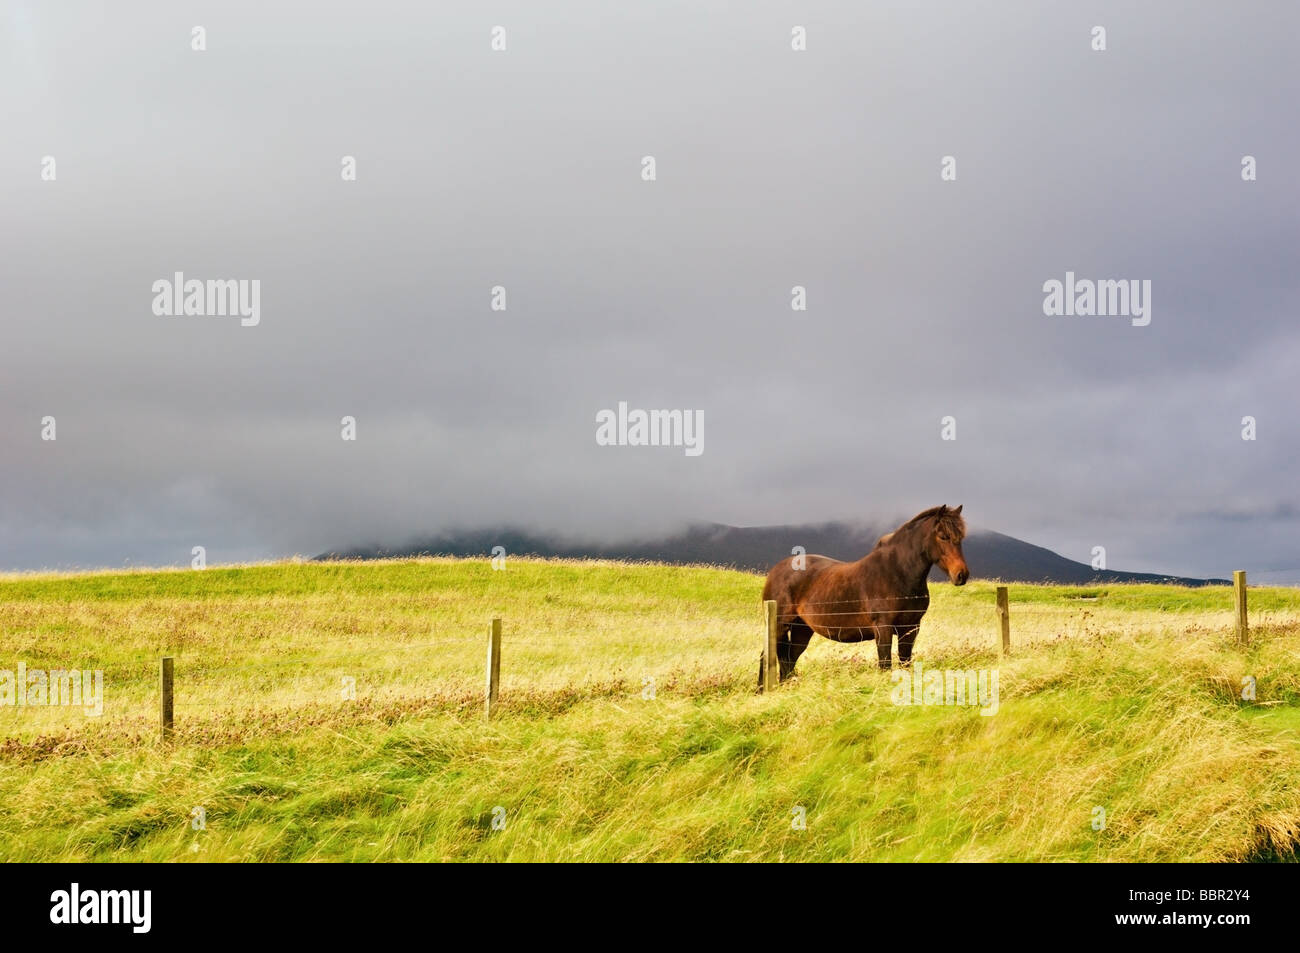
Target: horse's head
point(947, 532)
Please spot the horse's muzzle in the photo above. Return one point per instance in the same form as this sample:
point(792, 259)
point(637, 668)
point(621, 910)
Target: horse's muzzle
point(962, 575)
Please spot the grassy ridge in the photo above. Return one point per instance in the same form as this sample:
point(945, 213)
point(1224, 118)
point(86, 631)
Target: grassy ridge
point(1121, 697)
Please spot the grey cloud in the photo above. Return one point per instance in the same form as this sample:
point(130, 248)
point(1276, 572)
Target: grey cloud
point(521, 169)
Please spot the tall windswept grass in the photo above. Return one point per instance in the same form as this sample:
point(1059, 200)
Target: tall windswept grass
point(629, 726)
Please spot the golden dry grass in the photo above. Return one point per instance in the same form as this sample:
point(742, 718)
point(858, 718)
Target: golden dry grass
point(1120, 697)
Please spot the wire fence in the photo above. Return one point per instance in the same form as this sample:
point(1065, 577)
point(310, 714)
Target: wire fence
point(544, 655)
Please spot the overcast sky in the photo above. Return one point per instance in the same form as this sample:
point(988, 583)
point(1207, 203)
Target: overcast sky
point(523, 168)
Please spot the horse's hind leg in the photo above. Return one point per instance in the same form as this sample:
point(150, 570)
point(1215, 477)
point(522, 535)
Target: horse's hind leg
point(792, 646)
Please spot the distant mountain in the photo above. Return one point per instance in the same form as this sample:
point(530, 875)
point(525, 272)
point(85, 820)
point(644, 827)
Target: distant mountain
point(990, 555)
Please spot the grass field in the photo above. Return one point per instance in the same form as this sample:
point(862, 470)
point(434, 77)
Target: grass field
point(1124, 697)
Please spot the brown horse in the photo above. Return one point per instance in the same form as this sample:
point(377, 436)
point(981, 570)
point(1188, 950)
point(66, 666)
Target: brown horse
point(881, 594)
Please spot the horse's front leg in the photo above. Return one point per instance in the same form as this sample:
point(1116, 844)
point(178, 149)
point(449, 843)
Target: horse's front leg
point(885, 645)
point(906, 637)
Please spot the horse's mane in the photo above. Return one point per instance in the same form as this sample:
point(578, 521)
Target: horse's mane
point(950, 520)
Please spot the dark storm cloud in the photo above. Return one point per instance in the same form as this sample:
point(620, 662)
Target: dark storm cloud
point(521, 169)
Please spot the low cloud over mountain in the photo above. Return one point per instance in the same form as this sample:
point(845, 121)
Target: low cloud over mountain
point(990, 555)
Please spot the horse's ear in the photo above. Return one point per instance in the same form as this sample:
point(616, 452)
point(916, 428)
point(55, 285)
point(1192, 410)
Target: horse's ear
point(943, 509)
point(957, 511)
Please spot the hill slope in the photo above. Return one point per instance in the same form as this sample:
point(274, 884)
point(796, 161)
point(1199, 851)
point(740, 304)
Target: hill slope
point(990, 555)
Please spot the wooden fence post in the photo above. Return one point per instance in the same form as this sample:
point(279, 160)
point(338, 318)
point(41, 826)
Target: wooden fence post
point(1004, 616)
point(493, 667)
point(771, 662)
point(1239, 590)
point(167, 708)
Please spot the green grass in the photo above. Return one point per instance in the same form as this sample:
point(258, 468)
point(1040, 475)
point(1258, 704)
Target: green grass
point(1121, 697)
